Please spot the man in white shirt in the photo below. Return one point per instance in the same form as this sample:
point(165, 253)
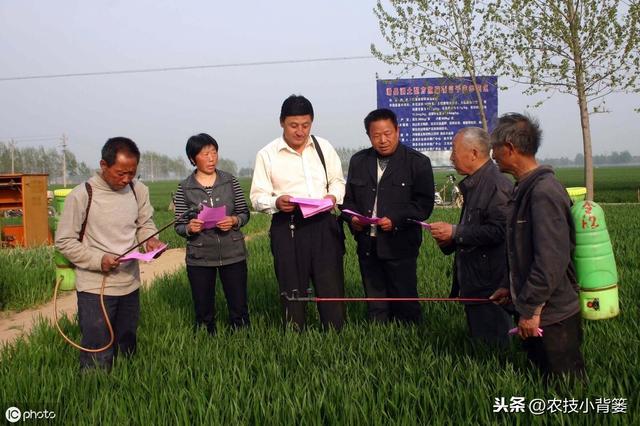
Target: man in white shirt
point(298, 164)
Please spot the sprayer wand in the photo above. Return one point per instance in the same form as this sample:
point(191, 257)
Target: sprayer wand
point(190, 213)
point(294, 297)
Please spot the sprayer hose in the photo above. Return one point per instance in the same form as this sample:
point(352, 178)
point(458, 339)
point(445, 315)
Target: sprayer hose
point(104, 312)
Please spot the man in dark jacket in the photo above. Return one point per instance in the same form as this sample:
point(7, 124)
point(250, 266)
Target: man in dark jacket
point(395, 184)
point(540, 239)
point(480, 265)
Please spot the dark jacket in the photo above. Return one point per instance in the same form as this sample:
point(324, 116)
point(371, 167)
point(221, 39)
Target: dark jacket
point(540, 241)
point(213, 247)
point(479, 239)
point(405, 192)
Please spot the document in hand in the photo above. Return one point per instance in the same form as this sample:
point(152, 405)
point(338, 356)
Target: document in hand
point(425, 225)
point(145, 257)
point(364, 219)
point(514, 331)
point(212, 215)
point(312, 206)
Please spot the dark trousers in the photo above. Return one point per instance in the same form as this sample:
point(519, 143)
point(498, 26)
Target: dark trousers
point(123, 312)
point(390, 278)
point(488, 323)
point(557, 352)
point(203, 292)
point(309, 250)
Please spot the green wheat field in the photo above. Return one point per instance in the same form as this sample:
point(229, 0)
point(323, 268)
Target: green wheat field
point(367, 374)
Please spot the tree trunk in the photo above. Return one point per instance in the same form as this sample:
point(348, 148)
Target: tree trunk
point(483, 114)
point(586, 141)
point(576, 49)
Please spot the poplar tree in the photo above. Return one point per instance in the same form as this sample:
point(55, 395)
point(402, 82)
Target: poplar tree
point(446, 38)
point(585, 48)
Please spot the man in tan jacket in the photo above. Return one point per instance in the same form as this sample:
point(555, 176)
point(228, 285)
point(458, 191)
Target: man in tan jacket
point(103, 218)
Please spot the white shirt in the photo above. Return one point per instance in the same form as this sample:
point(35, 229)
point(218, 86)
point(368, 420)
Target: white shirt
point(280, 170)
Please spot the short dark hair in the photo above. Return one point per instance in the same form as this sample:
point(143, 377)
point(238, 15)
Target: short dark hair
point(296, 105)
point(521, 130)
point(116, 145)
point(196, 143)
point(380, 114)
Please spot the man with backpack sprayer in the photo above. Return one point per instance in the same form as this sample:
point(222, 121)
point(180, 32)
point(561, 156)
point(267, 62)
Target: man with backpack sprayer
point(539, 240)
point(103, 217)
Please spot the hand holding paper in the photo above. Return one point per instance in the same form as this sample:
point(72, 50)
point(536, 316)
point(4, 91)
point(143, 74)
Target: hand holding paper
point(365, 220)
point(212, 215)
point(385, 224)
point(145, 257)
point(226, 223)
point(152, 244)
point(515, 331)
point(312, 206)
point(425, 225)
point(284, 204)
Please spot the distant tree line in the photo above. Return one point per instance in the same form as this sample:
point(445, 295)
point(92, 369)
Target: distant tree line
point(245, 172)
point(228, 166)
point(344, 154)
point(41, 160)
point(153, 166)
point(615, 158)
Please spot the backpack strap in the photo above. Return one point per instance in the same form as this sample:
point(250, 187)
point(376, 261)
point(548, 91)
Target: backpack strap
point(89, 189)
point(133, 190)
point(326, 176)
point(321, 155)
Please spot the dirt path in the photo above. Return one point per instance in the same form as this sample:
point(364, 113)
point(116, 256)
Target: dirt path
point(13, 325)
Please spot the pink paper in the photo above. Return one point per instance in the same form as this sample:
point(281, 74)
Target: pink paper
point(145, 257)
point(425, 225)
point(515, 331)
point(212, 215)
point(363, 219)
point(312, 206)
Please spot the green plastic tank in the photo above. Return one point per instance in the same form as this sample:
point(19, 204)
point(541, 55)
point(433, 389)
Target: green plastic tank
point(594, 261)
point(65, 270)
point(577, 193)
point(59, 196)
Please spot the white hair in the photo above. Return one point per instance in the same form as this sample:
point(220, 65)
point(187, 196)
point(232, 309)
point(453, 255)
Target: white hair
point(476, 137)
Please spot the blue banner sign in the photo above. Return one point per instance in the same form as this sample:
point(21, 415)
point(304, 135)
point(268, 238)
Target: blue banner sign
point(431, 110)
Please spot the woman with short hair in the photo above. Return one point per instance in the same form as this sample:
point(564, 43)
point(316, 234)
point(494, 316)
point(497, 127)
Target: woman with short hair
point(217, 249)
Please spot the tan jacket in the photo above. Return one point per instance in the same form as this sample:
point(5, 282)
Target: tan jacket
point(116, 222)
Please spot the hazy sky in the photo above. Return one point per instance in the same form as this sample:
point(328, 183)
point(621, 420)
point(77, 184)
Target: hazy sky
point(239, 106)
